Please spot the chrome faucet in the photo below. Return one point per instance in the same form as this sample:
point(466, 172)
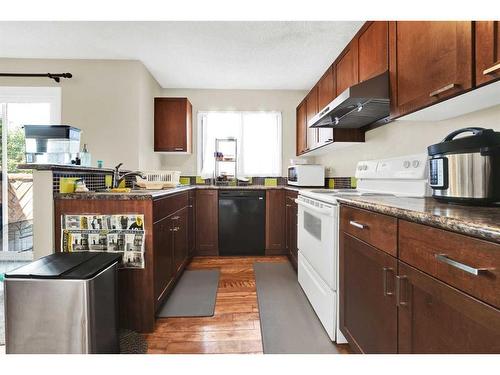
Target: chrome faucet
point(118, 177)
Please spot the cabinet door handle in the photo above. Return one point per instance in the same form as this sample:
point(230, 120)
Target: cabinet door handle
point(386, 271)
point(443, 89)
point(175, 229)
point(491, 70)
point(178, 148)
point(358, 225)
point(399, 281)
point(461, 266)
point(175, 218)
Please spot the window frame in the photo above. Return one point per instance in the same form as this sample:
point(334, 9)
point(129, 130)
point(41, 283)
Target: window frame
point(200, 151)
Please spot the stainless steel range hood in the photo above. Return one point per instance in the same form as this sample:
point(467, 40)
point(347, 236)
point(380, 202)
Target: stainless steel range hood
point(359, 105)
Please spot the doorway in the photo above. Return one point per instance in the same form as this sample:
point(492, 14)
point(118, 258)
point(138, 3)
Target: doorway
point(19, 106)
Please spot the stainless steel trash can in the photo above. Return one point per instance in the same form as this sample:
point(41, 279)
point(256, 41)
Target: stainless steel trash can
point(63, 303)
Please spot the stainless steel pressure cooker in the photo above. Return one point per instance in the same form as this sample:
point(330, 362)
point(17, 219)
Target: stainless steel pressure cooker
point(466, 169)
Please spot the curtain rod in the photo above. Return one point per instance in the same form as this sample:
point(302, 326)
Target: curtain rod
point(55, 76)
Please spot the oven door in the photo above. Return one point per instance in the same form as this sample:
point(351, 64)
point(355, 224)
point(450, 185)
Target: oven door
point(318, 237)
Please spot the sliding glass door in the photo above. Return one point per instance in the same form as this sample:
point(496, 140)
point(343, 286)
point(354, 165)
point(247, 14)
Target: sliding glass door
point(19, 106)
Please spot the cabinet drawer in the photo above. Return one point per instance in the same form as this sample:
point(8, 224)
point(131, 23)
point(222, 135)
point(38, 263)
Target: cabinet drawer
point(376, 229)
point(168, 205)
point(469, 264)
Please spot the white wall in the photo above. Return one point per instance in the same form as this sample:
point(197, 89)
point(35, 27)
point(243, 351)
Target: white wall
point(404, 138)
point(110, 100)
point(245, 100)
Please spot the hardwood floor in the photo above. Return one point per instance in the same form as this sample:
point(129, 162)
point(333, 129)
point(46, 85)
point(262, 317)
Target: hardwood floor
point(235, 326)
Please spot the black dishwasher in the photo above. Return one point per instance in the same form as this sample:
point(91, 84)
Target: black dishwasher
point(242, 222)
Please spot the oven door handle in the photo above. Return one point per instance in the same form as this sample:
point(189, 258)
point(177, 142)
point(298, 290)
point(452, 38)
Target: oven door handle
point(322, 211)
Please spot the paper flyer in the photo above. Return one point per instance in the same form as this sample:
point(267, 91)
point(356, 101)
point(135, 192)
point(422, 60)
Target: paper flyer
point(112, 233)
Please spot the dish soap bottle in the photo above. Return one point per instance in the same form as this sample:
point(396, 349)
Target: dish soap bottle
point(85, 156)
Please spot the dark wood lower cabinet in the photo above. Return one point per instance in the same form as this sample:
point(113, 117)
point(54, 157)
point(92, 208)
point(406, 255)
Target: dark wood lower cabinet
point(163, 260)
point(368, 312)
point(207, 222)
point(434, 317)
point(180, 238)
point(291, 226)
point(275, 222)
point(389, 306)
point(192, 222)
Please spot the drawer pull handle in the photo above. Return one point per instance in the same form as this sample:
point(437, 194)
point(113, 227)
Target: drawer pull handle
point(386, 270)
point(492, 69)
point(464, 267)
point(175, 217)
point(358, 225)
point(179, 148)
point(399, 281)
point(443, 89)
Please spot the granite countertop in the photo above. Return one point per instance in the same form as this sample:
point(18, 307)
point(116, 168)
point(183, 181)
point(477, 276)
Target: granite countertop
point(480, 222)
point(155, 194)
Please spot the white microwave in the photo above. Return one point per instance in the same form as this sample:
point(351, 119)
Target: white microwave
point(306, 175)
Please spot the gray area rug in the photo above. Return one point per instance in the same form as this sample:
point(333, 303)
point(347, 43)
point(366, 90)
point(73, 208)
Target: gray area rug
point(288, 322)
point(194, 295)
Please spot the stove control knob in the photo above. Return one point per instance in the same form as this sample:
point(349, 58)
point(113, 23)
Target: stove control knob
point(365, 167)
point(415, 163)
point(406, 164)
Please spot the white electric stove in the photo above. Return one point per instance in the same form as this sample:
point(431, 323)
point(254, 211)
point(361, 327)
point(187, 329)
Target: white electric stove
point(318, 227)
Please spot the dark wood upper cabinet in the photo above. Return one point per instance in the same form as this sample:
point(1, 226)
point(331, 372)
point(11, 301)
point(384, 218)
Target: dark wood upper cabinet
point(433, 317)
point(312, 110)
point(346, 68)
point(428, 62)
point(207, 222)
point(368, 312)
point(487, 51)
point(326, 89)
point(172, 125)
point(301, 128)
point(373, 51)
point(275, 222)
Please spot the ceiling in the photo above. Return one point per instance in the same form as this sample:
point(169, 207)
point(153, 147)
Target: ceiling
point(216, 55)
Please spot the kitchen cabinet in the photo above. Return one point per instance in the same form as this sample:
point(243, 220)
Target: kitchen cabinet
point(172, 125)
point(434, 317)
point(487, 51)
point(428, 62)
point(326, 89)
point(207, 222)
point(301, 128)
point(326, 92)
point(291, 223)
point(373, 55)
point(192, 222)
point(368, 312)
point(420, 299)
point(275, 222)
point(170, 241)
point(180, 230)
point(312, 110)
point(431, 249)
point(346, 68)
point(142, 291)
point(163, 259)
point(376, 229)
